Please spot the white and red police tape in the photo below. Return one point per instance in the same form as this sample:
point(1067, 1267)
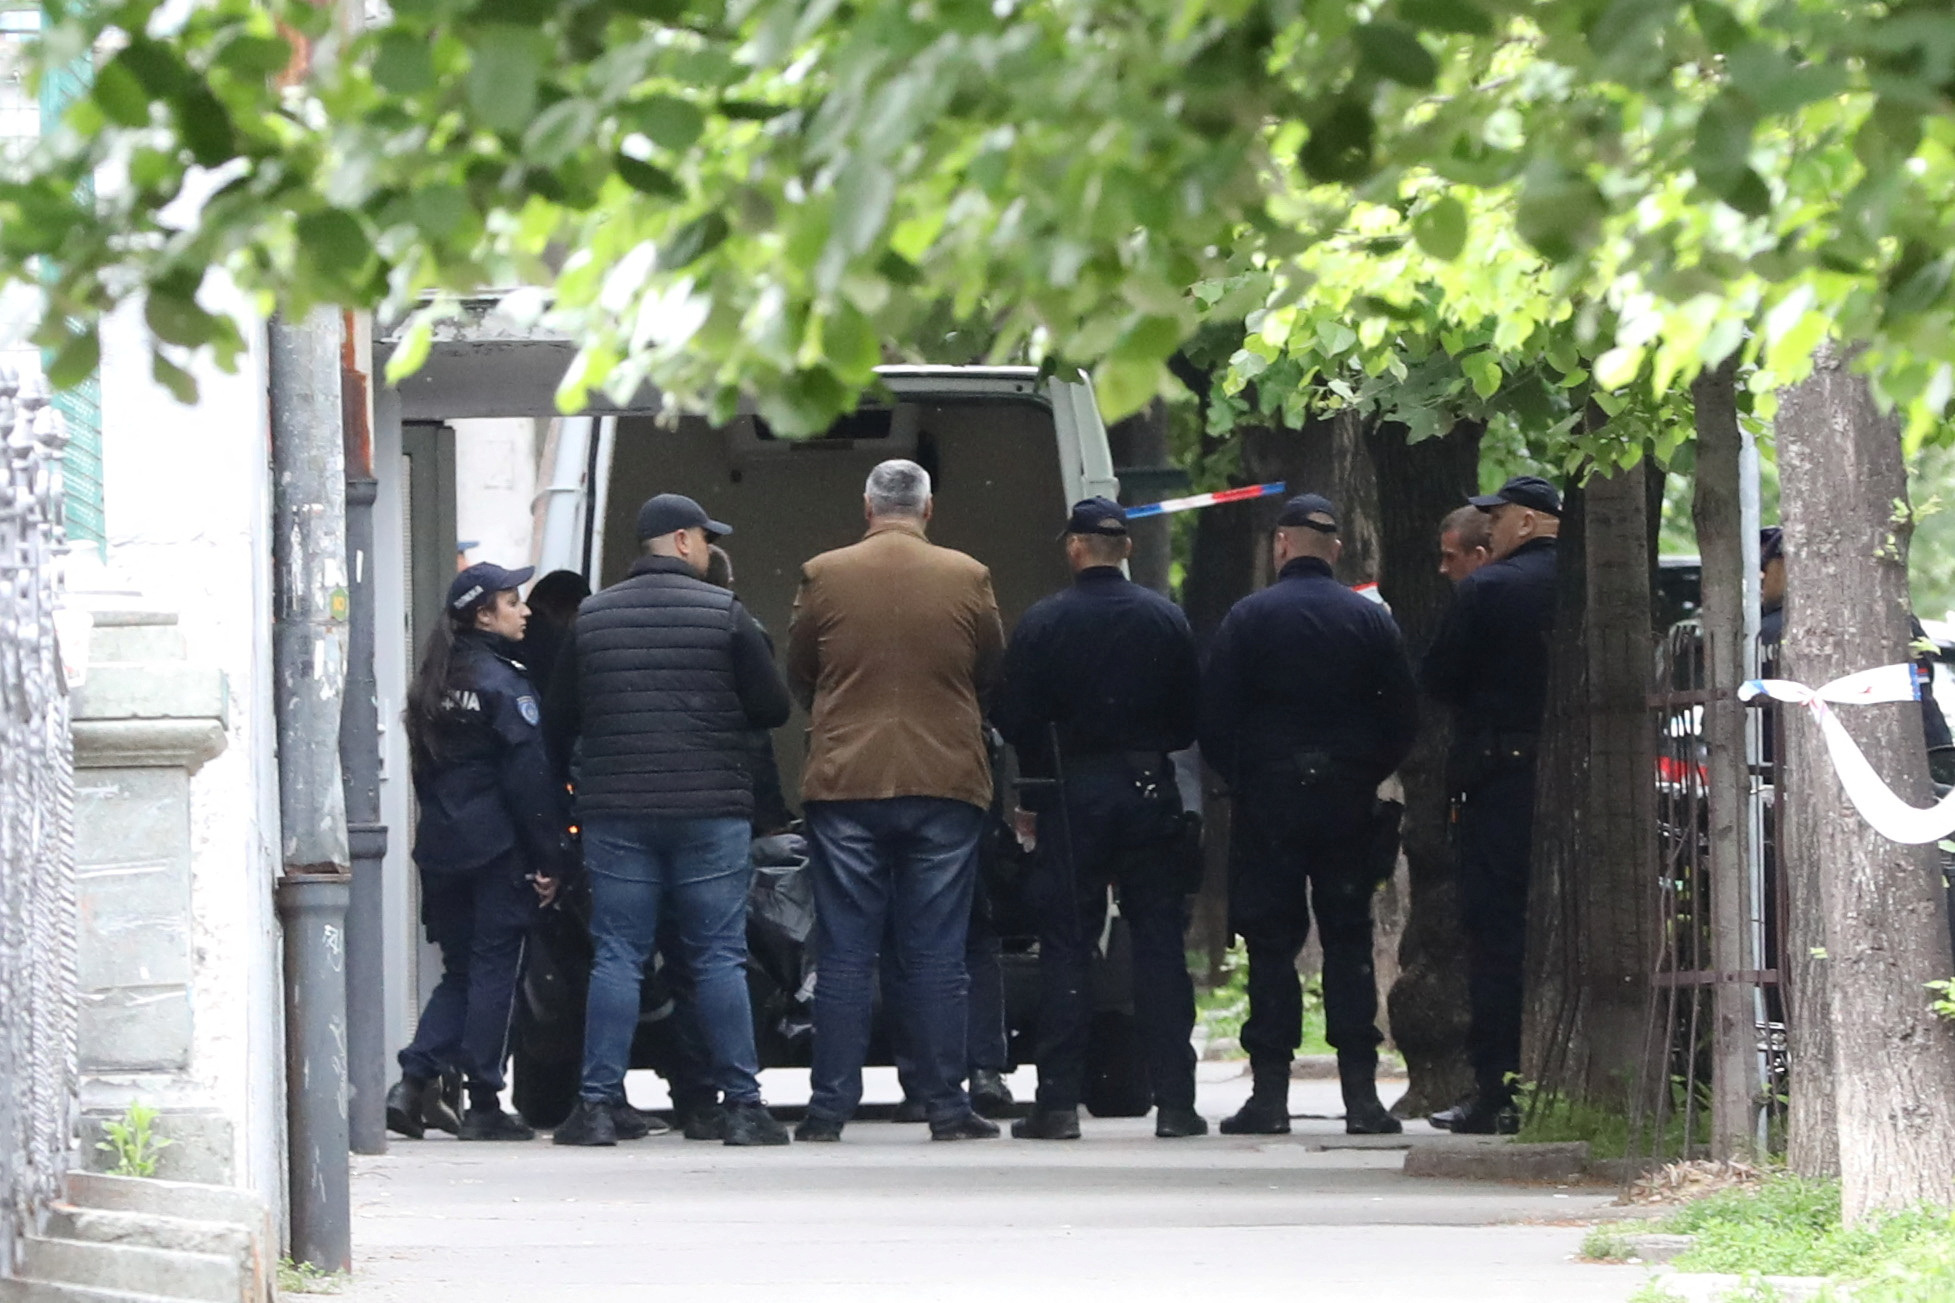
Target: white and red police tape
point(1885, 812)
point(1215, 499)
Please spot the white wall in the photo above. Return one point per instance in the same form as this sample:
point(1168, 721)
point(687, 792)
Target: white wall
point(495, 489)
point(187, 498)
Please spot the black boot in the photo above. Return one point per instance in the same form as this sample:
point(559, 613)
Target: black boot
point(749, 1123)
point(1364, 1115)
point(404, 1107)
point(588, 1124)
point(990, 1096)
point(630, 1124)
point(441, 1103)
point(967, 1127)
point(1268, 1111)
point(1178, 1123)
point(1047, 1124)
point(910, 1110)
point(705, 1122)
point(1493, 1114)
point(492, 1123)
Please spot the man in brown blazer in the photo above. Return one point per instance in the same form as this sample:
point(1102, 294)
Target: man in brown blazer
point(894, 640)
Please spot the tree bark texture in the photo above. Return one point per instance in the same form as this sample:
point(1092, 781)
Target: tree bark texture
point(1417, 484)
point(1843, 485)
point(1716, 512)
point(1812, 1142)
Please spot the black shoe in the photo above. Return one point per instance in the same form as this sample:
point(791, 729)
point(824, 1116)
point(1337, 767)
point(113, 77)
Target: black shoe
point(910, 1110)
point(1047, 1124)
point(1364, 1114)
point(630, 1124)
point(441, 1104)
point(752, 1124)
point(815, 1129)
point(1258, 1117)
point(990, 1096)
point(706, 1122)
point(1446, 1117)
point(1370, 1119)
point(404, 1108)
point(1175, 1123)
point(968, 1127)
point(1492, 1120)
point(493, 1124)
point(588, 1124)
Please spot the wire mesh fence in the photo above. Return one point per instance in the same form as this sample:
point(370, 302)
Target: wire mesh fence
point(38, 979)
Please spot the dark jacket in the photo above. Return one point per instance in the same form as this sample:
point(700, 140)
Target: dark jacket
point(1489, 660)
point(1307, 665)
point(1934, 725)
point(661, 682)
point(1111, 663)
point(487, 787)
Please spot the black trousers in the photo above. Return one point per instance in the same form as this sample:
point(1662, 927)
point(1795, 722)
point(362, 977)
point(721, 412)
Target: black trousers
point(1496, 832)
point(1120, 837)
point(985, 1049)
point(481, 919)
point(1298, 851)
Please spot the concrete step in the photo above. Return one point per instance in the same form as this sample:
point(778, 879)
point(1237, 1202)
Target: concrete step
point(44, 1291)
point(204, 1203)
point(149, 1230)
point(133, 1268)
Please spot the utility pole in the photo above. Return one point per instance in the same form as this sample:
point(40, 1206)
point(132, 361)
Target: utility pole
point(309, 600)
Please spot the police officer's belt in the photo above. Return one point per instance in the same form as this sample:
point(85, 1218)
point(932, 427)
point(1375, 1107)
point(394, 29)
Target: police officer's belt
point(1115, 762)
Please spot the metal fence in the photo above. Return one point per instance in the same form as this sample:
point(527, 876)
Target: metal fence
point(38, 978)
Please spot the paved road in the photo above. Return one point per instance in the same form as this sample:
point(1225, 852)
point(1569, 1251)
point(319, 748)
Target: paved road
point(887, 1215)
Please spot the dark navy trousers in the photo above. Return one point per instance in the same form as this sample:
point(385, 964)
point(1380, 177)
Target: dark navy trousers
point(1496, 831)
point(480, 918)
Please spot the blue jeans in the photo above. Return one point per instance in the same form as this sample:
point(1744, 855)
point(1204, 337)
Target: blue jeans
point(908, 863)
point(701, 868)
point(985, 1049)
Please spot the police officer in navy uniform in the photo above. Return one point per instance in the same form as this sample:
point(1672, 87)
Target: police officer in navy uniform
point(491, 846)
point(1108, 670)
point(1489, 662)
point(1307, 705)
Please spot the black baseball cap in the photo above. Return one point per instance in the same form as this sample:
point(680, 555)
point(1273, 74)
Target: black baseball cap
point(1097, 516)
point(1300, 510)
point(1771, 545)
point(1530, 491)
point(670, 512)
point(481, 581)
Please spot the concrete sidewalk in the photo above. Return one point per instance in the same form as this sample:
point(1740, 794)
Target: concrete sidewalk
point(888, 1215)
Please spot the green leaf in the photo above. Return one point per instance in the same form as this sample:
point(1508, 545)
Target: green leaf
point(647, 179)
point(1126, 384)
point(416, 343)
point(175, 318)
point(206, 126)
point(1339, 149)
point(1559, 212)
point(1460, 17)
point(335, 243)
point(1775, 84)
point(403, 63)
point(157, 67)
point(1721, 151)
point(1440, 228)
point(120, 95)
point(1482, 370)
point(439, 210)
point(693, 241)
point(669, 122)
point(560, 131)
point(75, 361)
point(1393, 51)
point(506, 63)
point(181, 384)
point(251, 55)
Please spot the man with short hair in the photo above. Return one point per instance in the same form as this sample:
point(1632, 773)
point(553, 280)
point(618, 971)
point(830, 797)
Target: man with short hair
point(664, 678)
point(1489, 662)
point(1106, 671)
point(1307, 706)
point(893, 643)
point(1465, 542)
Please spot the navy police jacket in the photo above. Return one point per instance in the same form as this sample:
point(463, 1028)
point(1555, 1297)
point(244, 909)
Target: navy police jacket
point(487, 788)
point(1489, 660)
point(1112, 664)
point(1307, 666)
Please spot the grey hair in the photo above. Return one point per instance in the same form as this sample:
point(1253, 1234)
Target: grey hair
point(897, 488)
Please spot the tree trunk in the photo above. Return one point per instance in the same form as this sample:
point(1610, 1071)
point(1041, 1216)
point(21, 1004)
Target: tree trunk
point(1812, 1121)
point(1141, 442)
point(1616, 906)
point(1844, 489)
point(1716, 512)
point(1417, 485)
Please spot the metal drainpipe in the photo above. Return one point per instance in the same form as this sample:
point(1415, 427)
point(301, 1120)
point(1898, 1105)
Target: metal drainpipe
point(309, 669)
point(359, 756)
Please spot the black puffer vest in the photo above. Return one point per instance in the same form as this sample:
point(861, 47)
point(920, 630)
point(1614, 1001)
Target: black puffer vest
point(664, 732)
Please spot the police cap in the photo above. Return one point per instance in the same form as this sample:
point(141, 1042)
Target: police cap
point(1101, 516)
point(668, 513)
point(1305, 509)
point(1530, 491)
point(482, 581)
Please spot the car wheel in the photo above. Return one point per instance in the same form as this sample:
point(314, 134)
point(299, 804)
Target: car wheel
point(545, 1091)
point(1116, 1070)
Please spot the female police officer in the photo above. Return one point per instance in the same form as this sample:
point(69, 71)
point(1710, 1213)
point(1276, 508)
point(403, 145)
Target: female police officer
point(491, 846)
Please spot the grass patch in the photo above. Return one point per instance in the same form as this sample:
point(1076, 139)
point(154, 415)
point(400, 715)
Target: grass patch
point(304, 1278)
point(1652, 1291)
point(1606, 1244)
point(1790, 1226)
point(1222, 1008)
